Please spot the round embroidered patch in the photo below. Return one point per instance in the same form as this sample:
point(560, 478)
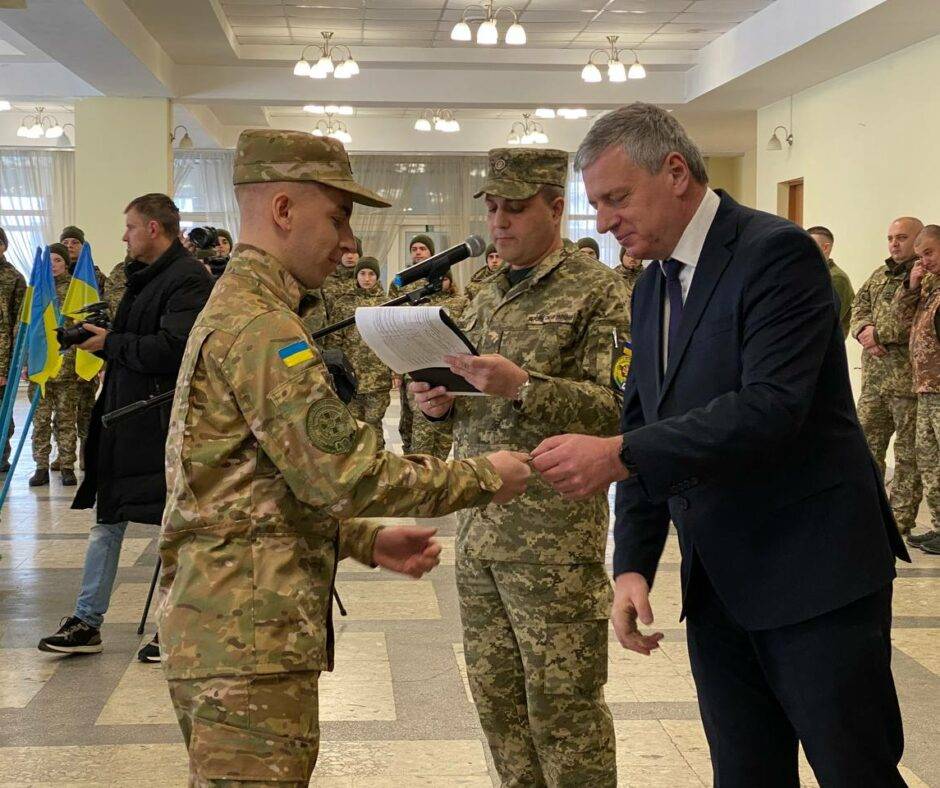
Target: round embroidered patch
point(499, 165)
point(621, 368)
point(330, 427)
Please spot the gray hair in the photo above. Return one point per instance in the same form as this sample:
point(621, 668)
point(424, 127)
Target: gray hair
point(647, 134)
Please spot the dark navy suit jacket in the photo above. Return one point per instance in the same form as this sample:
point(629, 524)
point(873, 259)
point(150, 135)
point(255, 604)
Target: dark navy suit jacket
point(749, 440)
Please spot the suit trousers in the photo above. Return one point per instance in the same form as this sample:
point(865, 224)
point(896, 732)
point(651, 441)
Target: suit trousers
point(825, 683)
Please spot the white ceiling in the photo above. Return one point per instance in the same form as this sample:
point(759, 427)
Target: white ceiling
point(649, 24)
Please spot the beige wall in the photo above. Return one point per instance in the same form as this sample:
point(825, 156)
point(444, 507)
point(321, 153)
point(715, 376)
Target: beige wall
point(737, 175)
point(122, 151)
point(866, 146)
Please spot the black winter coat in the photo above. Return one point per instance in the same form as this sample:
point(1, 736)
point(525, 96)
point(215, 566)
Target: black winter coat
point(125, 464)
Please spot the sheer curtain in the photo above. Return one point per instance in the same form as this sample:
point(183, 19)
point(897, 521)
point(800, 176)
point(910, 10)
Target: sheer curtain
point(37, 199)
point(203, 191)
point(581, 219)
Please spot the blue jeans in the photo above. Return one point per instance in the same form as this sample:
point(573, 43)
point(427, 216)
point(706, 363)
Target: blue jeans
point(101, 563)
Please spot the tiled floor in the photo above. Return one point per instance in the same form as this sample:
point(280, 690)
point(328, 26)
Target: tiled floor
point(397, 710)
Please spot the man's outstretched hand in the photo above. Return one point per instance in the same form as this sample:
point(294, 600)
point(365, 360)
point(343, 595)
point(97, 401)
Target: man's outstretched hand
point(579, 466)
point(632, 602)
point(408, 550)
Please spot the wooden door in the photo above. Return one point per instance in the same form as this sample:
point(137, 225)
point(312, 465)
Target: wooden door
point(795, 202)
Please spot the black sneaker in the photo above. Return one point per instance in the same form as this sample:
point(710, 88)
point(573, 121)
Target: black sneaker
point(932, 545)
point(916, 540)
point(151, 651)
point(74, 637)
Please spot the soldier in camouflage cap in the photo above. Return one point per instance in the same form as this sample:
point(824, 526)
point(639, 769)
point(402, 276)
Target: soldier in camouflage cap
point(534, 594)
point(493, 262)
point(12, 291)
point(265, 468)
point(589, 245)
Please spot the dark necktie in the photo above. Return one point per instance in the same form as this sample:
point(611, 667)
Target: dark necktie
point(674, 293)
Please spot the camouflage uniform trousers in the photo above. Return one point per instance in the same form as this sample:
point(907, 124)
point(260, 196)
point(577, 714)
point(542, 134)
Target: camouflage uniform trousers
point(88, 390)
point(7, 449)
point(428, 437)
point(370, 408)
point(250, 730)
point(535, 641)
point(881, 416)
point(57, 409)
point(928, 452)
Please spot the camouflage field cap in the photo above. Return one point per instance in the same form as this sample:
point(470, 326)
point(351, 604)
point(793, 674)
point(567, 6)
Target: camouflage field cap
point(269, 155)
point(518, 173)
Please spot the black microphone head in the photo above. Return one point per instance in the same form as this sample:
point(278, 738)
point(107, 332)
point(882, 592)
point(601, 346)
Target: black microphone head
point(476, 245)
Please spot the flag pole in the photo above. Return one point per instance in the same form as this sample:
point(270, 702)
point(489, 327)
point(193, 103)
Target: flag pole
point(19, 446)
point(13, 382)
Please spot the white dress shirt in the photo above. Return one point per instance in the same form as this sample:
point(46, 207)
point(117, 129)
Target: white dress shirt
point(687, 252)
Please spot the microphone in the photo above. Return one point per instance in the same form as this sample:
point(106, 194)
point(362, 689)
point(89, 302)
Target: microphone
point(438, 265)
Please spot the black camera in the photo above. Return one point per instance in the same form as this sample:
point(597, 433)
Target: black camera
point(206, 239)
point(96, 314)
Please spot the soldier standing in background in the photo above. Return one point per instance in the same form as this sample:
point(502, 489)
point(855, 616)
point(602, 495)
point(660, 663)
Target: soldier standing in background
point(373, 378)
point(341, 282)
point(264, 467)
point(420, 248)
point(115, 286)
point(493, 262)
point(887, 404)
point(840, 279)
point(57, 409)
point(919, 303)
point(12, 290)
point(589, 247)
point(534, 593)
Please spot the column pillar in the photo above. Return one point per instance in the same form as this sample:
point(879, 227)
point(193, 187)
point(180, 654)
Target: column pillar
point(122, 150)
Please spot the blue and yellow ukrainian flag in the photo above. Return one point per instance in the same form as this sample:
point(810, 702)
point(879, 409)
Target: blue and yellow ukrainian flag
point(296, 353)
point(43, 360)
point(83, 291)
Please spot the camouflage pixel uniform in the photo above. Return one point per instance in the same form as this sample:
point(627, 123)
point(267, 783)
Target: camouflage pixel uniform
point(534, 593)
point(887, 404)
point(476, 281)
point(845, 293)
point(265, 466)
point(922, 308)
point(340, 285)
point(58, 407)
point(114, 287)
point(629, 277)
point(428, 437)
point(12, 290)
point(374, 379)
point(406, 418)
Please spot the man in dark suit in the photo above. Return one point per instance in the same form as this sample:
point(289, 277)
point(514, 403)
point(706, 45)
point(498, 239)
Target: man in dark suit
point(739, 426)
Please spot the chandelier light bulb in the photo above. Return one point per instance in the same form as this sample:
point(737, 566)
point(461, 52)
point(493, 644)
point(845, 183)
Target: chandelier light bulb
point(512, 139)
point(5, 106)
point(316, 72)
point(439, 123)
point(22, 131)
point(352, 67)
point(540, 138)
point(515, 36)
point(545, 112)
point(325, 64)
point(616, 71)
point(451, 126)
point(344, 136)
point(301, 68)
point(36, 131)
point(461, 32)
point(591, 73)
point(422, 124)
point(487, 34)
point(341, 71)
point(54, 132)
point(637, 71)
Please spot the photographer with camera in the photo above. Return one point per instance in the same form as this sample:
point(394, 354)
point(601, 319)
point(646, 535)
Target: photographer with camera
point(125, 477)
point(209, 243)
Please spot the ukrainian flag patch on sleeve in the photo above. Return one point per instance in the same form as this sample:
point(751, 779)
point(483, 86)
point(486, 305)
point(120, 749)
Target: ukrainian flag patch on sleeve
point(296, 353)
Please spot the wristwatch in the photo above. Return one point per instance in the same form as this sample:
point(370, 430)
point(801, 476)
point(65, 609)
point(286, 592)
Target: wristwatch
point(626, 457)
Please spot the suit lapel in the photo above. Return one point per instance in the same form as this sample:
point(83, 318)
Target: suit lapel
point(716, 254)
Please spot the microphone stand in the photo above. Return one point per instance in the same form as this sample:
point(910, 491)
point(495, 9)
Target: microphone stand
point(435, 284)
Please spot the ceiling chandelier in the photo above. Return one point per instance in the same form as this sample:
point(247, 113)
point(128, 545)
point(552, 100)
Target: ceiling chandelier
point(330, 127)
point(33, 127)
point(616, 70)
point(527, 132)
point(568, 113)
point(329, 62)
point(437, 120)
point(487, 32)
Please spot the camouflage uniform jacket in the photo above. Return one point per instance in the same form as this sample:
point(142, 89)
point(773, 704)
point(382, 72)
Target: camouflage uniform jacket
point(476, 282)
point(312, 311)
point(12, 290)
point(874, 306)
point(629, 276)
point(114, 287)
point(263, 462)
point(454, 303)
point(67, 373)
point(843, 287)
point(339, 285)
point(557, 324)
point(371, 374)
point(922, 308)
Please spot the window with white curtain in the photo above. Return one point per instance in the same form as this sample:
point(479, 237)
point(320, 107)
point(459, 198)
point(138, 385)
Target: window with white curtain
point(37, 199)
point(203, 191)
point(582, 219)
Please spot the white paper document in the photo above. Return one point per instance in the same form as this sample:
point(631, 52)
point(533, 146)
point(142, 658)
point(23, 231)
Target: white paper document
point(414, 340)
